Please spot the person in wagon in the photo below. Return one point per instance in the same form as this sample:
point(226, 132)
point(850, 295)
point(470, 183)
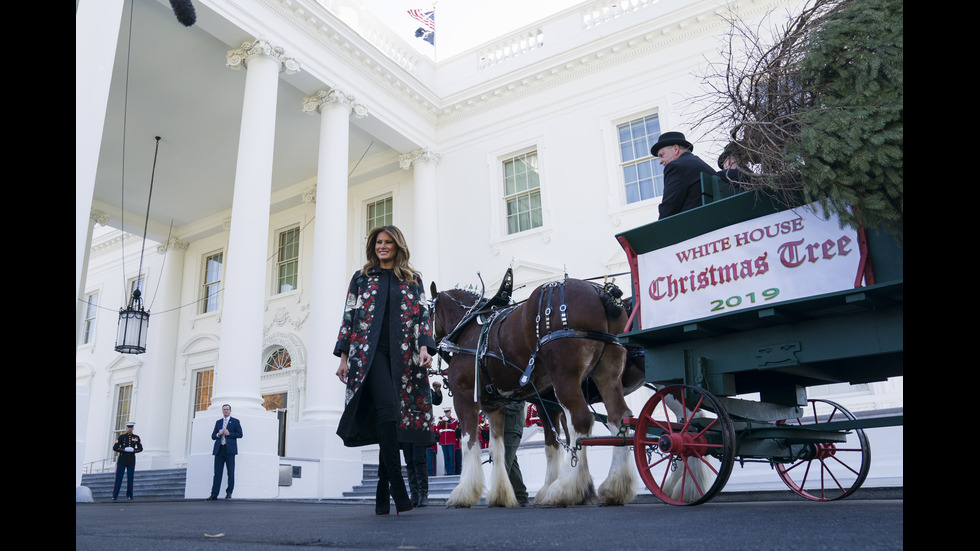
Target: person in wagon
point(385, 347)
point(682, 173)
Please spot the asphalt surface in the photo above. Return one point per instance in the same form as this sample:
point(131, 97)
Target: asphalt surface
point(874, 522)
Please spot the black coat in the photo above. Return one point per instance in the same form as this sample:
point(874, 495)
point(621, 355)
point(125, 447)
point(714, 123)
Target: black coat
point(127, 440)
point(409, 329)
point(682, 184)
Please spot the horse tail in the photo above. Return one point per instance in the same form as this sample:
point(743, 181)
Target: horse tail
point(611, 297)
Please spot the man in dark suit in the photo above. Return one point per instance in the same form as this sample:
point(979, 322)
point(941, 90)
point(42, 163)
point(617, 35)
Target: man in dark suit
point(682, 173)
point(226, 433)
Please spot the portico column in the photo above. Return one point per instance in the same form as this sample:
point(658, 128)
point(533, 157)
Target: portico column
point(156, 400)
point(325, 393)
point(236, 378)
point(315, 436)
point(424, 244)
point(239, 366)
point(96, 33)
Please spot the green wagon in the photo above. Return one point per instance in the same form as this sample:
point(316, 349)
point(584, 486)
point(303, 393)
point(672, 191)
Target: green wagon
point(747, 296)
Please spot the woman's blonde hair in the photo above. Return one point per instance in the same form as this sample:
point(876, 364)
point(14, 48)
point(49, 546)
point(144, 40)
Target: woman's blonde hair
point(403, 269)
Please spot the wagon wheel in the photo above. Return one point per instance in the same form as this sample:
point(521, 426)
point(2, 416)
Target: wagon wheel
point(684, 459)
point(826, 471)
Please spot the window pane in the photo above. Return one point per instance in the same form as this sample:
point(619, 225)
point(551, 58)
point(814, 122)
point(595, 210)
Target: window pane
point(288, 265)
point(124, 397)
point(91, 310)
point(522, 197)
point(521, 183)
point(632, 193)
point(652, 127)
point(646, 188)
point(379, 214)
point(624, 133)
point(212, 282)
point(203, 385)
point(279, 360)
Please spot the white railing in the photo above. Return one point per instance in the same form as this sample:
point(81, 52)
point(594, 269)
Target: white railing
point(607, 10)
point(99, 466)
point(511, 46)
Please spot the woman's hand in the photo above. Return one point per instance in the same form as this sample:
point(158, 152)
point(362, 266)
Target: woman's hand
point(424, 358)
point(342, 370)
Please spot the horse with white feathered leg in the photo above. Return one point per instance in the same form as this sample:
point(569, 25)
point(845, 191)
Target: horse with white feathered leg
point(499, 353)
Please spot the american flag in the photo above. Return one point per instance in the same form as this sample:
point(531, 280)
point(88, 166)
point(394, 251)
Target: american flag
point(428, 18)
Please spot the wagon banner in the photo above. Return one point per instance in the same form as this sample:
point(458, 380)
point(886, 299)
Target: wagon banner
point(784, 256)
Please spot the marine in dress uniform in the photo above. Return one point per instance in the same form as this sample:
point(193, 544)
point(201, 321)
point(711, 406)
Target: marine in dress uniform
point(127, 446)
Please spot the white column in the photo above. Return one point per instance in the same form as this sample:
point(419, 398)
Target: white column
point(96, 32)
point(315, 436)
point(157, 381)
point(325, 393)
point(425, 243)
point(236, 376)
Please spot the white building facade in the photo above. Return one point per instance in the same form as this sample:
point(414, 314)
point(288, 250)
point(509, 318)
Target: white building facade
point(531, 152)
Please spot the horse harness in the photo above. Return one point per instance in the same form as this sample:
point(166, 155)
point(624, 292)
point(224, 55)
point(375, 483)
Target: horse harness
point(489, 315)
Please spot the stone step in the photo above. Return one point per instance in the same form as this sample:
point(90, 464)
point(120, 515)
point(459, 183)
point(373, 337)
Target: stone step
point(439, 486)
point(155, 484)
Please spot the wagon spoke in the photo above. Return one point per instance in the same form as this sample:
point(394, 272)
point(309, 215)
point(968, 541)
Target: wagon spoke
point(842, 464)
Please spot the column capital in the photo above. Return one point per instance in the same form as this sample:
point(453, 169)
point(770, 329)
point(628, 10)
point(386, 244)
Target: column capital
point(418, 156)
point(238, 58)
point(314, 103)
point(173, 244)
point(100, 217)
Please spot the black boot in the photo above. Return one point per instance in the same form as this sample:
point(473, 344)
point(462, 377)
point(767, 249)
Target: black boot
point(413, 484)
point(422, 473)
point(382, 501)
point(389, 458)
point(422, 478)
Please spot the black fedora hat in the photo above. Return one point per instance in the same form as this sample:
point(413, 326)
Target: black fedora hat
point(670, 138)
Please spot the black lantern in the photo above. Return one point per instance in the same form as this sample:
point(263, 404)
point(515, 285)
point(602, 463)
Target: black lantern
point(133, 324)
point(134, 321)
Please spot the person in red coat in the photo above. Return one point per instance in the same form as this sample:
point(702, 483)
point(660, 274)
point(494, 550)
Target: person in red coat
point(532, 417)
point(484, 432)
point(447, 439)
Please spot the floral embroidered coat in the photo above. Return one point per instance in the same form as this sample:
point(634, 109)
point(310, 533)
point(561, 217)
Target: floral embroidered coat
point(409, 329)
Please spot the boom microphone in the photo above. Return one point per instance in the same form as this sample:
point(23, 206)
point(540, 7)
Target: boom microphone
point(184, 10)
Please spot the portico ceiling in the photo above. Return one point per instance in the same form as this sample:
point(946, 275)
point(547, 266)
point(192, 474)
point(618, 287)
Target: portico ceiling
point(171, 81)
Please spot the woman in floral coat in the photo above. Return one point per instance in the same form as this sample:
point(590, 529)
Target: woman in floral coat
point(385, 347)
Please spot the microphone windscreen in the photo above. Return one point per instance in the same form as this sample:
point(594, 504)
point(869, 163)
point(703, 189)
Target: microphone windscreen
point(184, 10)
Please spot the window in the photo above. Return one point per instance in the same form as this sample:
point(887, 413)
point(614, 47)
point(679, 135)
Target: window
point(124, 397)
point(642, 174)
point(212, 282)
point(138, 283)
point(287, 265)
point(203, 386)
point(273, 402)
point(88, 325)
point(278, 360)
point(379, 214)
point(522, 193)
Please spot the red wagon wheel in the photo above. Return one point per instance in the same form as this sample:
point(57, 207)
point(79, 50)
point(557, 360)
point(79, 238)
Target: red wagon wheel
point(826, 471)
point(684, 445)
